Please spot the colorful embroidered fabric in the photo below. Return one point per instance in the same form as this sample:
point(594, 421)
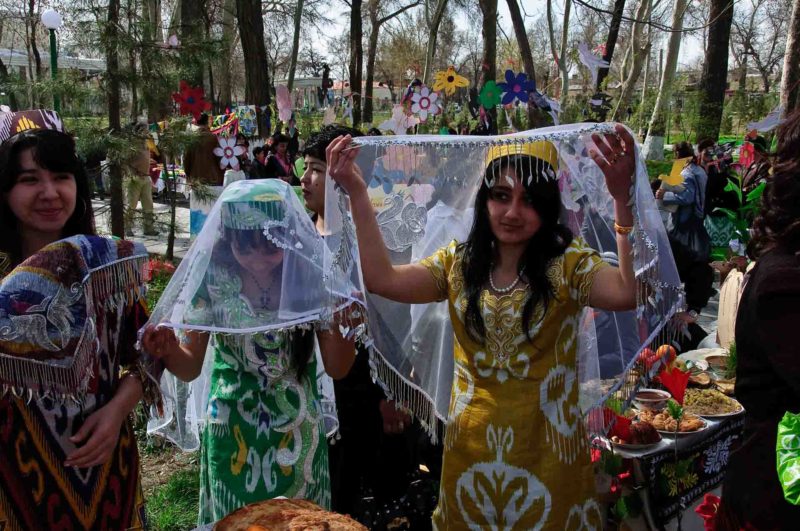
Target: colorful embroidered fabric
point(75, 290)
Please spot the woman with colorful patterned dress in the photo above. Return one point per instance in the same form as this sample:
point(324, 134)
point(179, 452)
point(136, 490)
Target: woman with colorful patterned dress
point(516, 454)
point(257, 299)
point(70, 307)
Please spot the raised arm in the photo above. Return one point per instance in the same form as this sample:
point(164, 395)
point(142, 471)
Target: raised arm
point(614, 288)
point(411, 283)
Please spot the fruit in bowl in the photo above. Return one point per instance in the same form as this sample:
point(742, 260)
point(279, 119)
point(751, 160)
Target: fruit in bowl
point(651, 399)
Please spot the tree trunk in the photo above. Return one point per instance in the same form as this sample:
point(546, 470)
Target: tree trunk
point(356, 60)
point(645, 81)
point(133, 84)
point(611, 41)
point(372, 50)
point(433, 31)
point(191, 35)
point(535, 119)
point(563, 61)
point(654, 144)
point(156, 98)
point(257, 84)
point(742, 81)
point(715, 69)
point(34, 21)
point(636, 54)
point(114, 120)
point(298, 15)
point(790, 82)
point(228, 37)
point(489, 59)
point(4, 79)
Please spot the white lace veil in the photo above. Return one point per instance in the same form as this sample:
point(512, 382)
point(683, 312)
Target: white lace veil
point(423, 189)
point(206, 292)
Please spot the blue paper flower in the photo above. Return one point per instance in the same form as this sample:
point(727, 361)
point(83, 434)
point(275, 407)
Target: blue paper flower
point(517, 86)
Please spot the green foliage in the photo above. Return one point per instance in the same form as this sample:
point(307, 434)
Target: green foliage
point(749, 205)
point(675, 410)
point(174, 506)
point(733, 360)
point(658, 167)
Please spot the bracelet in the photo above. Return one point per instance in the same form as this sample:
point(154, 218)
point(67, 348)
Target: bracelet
point(622, 230)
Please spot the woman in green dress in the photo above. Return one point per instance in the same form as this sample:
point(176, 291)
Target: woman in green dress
point(255, 289)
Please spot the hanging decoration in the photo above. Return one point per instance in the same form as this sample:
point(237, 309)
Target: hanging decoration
point(516, 87)
point(490, 95)
point(449, 80)
point(400, 122)
point(284, 101)
point(770, 121)
point(591, 61)
point(225, 125)
point(191, 100)
point(329, 117)
point(248, 124)
point(424, 103)
point(228, 152)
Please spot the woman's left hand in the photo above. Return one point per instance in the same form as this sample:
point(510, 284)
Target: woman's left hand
point(99, 435)
point(616, 156)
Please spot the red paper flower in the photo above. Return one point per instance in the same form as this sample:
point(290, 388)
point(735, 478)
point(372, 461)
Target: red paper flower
point(708, 511)
point(621, 426)
point(675, 381)
point(191, 100)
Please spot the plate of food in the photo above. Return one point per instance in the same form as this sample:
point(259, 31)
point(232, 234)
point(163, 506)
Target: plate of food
point(642, 436)
point(711, 403)
point(668, 426)
point(285, 515)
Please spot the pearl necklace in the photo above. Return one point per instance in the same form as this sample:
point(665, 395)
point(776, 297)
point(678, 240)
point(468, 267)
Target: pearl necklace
point(507, 288)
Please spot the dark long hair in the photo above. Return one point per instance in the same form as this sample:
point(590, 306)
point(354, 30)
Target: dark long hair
point(778, 222)
point(300, 343)
point(54, 151)
point(549, 242)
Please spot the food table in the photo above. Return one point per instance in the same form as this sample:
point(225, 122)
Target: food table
point(671, 475)
point(654, 476)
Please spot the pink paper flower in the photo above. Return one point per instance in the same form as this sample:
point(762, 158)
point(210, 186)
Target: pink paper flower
point(228, 151)
point(424, 103)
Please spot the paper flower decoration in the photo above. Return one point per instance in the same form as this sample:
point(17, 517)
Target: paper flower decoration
point(490, 95)
point(675, 381)
point(424, 103)
point(708, 510)
point(400, 122)
point(228, 151)
point(284, 101)
point(591, 61)
point(449, 80)
point(516, 87)
point(191, 100)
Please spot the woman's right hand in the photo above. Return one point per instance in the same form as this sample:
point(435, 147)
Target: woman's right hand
point(159, 341)
point(342, 168)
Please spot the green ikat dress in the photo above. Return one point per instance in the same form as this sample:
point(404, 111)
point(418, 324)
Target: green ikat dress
point(264, 434)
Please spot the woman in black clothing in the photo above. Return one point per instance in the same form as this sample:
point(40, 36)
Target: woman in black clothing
point(768, 368)
point(279, 164)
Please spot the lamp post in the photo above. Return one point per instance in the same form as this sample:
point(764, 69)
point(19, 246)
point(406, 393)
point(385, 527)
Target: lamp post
point(52, 21)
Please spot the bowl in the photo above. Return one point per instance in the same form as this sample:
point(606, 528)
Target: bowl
point(651, 399)
point(717, 365)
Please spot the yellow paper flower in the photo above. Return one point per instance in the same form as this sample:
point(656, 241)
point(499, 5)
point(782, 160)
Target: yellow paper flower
point(449, 81)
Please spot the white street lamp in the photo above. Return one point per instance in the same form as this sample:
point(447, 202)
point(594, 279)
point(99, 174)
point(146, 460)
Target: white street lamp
point(52, 21)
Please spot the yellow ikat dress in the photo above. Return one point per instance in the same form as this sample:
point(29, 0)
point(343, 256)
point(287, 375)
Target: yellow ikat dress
point(516, 455)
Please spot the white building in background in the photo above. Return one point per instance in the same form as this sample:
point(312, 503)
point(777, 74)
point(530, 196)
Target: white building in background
point(17, 62)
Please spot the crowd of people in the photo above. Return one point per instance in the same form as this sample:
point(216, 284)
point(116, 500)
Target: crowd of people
point(77, 351)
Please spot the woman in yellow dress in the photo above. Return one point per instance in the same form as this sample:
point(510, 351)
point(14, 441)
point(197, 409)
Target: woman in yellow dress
point(516, 455)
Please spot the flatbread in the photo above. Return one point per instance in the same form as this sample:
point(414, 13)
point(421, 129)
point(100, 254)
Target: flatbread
point(286, 515)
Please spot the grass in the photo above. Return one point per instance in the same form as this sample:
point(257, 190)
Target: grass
point(174, 505)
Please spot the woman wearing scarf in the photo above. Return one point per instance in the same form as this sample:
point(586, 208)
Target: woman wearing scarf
point(70, 307)
point(515, 453)
point(251, 288)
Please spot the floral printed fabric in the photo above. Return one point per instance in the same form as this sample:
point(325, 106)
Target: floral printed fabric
point(516, 455)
